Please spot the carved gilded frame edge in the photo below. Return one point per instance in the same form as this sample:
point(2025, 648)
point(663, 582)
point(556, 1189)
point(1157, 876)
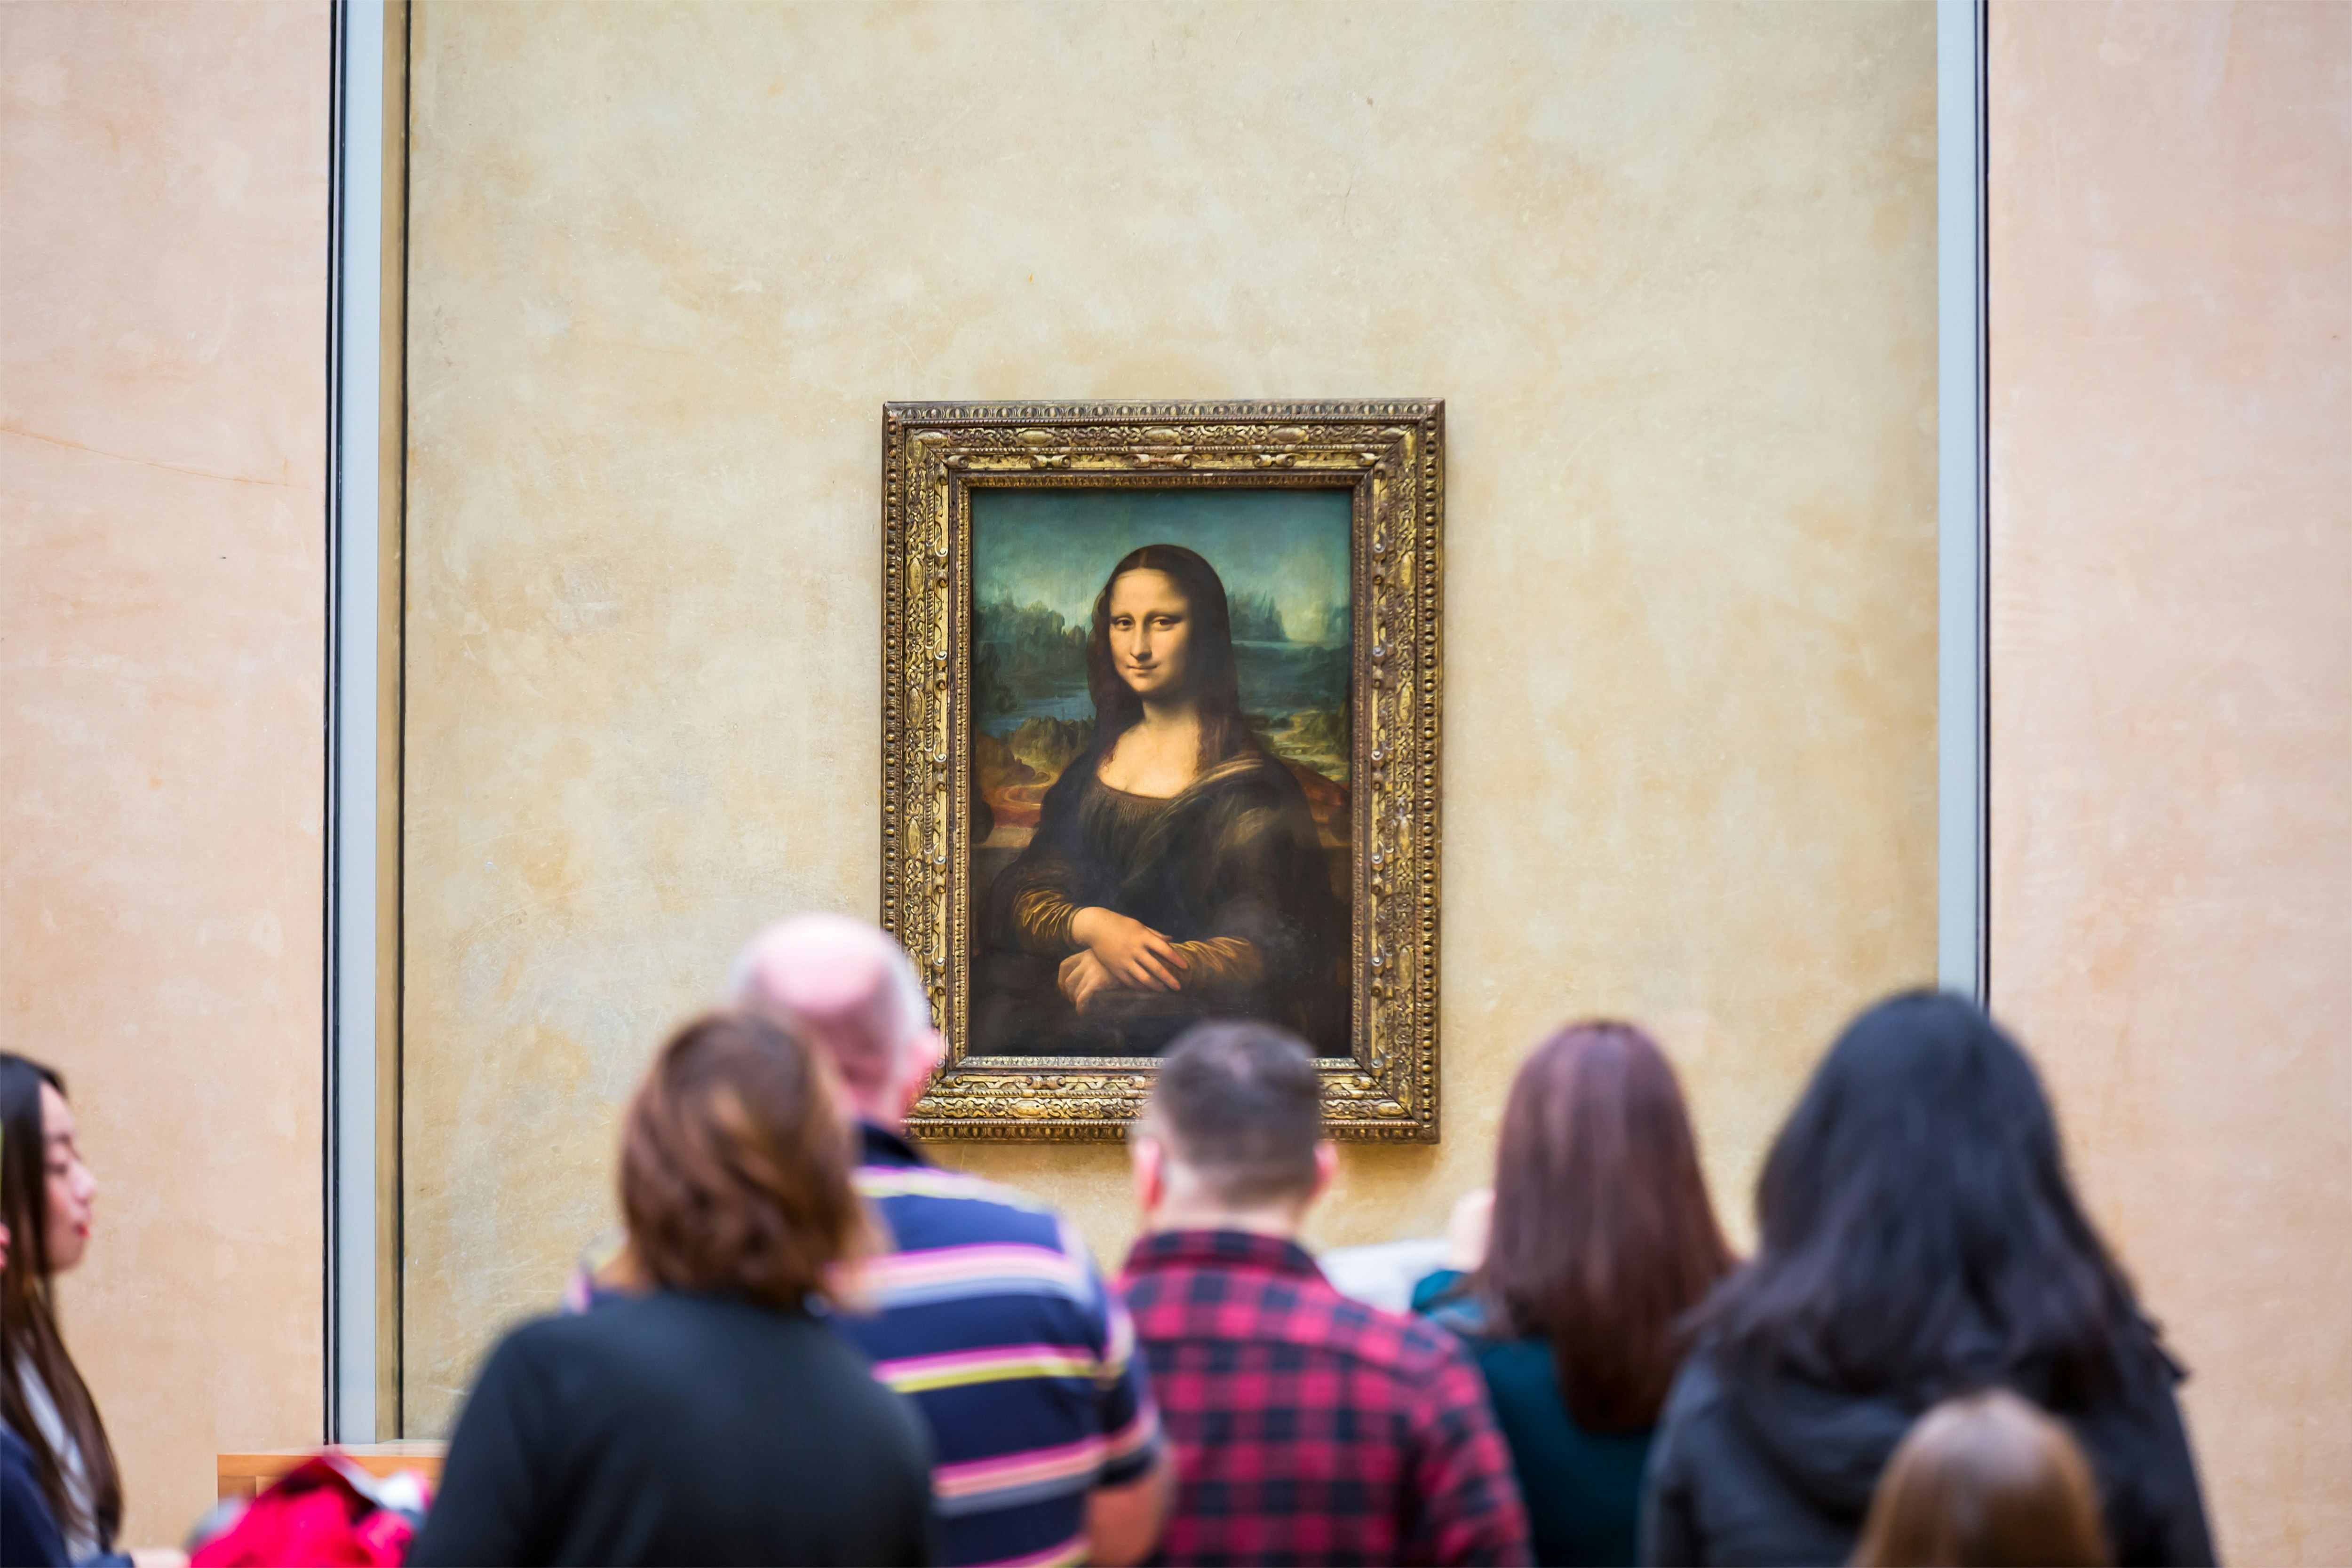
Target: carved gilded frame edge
point(1390, 454)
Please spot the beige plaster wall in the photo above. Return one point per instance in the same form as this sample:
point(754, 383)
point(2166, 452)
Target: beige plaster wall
point(1671, 265)
point(2171, 226)
point(163, 308)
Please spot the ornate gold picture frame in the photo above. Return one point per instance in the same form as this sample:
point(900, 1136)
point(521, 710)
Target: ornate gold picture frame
point(1243, 464)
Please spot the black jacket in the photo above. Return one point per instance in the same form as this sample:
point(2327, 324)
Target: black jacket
point(686, 1430)
point(1765, 1471)
point(28, 1532)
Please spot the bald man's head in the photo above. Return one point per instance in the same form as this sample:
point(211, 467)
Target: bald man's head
point(846, 987)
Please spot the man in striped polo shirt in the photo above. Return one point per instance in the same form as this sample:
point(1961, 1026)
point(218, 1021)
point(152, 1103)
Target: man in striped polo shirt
point(985, 1310)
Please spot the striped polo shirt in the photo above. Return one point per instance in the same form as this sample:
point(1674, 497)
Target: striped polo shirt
point(987, 1312)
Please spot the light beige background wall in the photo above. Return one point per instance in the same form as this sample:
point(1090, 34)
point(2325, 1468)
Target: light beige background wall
point(2171, 208)
point(163, 360)
point(1672, 267)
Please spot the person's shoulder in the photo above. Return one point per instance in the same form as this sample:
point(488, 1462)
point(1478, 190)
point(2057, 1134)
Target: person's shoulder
point(2139, 1397)
point(627, 1326)
point(955, 1237)
point(1433, 1368)
point(882, 1180)
point(615, 1318)
point(905, 1433)
point(15, 1461)
point(1697, 1392)
point(29, 1530)
point(541, 1355)
point(2145, 1364)
point(532, 1340)
point(1718, 1416)
point(1427, 1344)
point(1693, 1436)
point(952, 1202)
point(1444, 1297)
point(1410, 1346)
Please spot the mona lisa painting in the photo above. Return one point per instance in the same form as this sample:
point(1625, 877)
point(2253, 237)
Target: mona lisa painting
point(1160, 746)
point(1178, 849)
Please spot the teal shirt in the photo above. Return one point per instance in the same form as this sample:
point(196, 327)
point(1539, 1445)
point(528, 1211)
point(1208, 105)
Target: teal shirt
point(1583, 1489)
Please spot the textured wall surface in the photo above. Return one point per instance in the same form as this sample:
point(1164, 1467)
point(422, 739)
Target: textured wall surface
point(162, 431)
point(1672, 267)
point(2172, 683)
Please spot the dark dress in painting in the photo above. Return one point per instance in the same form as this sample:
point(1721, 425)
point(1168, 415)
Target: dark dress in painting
point(1231, 871)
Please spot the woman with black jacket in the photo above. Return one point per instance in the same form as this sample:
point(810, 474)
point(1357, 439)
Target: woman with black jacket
point(1919, 1238)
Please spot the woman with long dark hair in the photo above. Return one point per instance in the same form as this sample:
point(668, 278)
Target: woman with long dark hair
point(1599, 1240)
point(1919, 1240)
point(45, 1195)
point(1175, 873)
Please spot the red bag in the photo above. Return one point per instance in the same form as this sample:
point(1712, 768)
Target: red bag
point(317, 1513)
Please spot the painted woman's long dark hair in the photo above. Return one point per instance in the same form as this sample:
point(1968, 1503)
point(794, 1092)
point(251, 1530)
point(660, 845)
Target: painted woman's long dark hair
point(1212, 679)
point(31, 1345)
point(1919, 1236)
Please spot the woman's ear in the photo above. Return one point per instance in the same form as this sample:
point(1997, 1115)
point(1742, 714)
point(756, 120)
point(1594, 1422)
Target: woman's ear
point(1327, 1169)
point(918, 1060)
point(1147, 1161)
point(1469, 1228)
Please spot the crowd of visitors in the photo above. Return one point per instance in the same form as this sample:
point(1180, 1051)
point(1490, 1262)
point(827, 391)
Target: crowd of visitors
point(814, 1345)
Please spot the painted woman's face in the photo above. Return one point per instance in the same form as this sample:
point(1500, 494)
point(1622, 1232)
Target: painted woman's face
point(1151, 633)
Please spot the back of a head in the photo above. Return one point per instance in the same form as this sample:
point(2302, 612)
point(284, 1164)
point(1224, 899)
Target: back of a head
point(1919, 1233)
point(1985, 1481)
point(735, 1166)
point(1603, 1237)
point(840, 983)
point(1243, 1108)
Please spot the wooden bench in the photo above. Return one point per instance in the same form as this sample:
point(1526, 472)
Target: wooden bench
point(248, 1475)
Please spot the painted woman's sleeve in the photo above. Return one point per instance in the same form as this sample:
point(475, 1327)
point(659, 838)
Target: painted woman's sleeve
point(1221, 962)
point(1042, 914)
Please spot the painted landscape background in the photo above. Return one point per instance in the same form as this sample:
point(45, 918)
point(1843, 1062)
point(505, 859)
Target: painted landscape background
point(1040, 557)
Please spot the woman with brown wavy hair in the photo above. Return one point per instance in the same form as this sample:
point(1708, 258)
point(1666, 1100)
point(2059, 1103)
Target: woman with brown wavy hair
point(1569, 1278)
point(713, 1419)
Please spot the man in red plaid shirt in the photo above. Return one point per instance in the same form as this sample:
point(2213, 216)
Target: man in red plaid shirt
point(1308, 1427)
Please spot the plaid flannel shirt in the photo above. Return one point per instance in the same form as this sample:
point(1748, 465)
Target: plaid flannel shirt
point(1309, 1428)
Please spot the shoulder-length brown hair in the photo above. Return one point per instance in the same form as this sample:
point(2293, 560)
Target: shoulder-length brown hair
point(1212, 681)
point(32, 1350)
point(1603, 1234)
point(735, 1166)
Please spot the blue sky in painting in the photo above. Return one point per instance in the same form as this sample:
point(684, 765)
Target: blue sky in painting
point(1054, 546)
